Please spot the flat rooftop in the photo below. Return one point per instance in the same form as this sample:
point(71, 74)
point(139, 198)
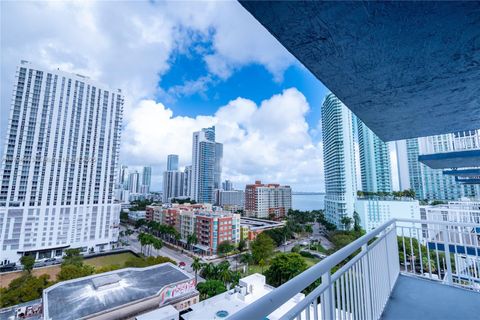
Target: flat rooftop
point(31, 309)
point(78, 298)
point(225, 304)
point(254, 223)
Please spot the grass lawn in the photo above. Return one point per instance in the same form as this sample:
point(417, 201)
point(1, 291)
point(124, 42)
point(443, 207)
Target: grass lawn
point(310, 261)
point(97, 262)
point(118, 259)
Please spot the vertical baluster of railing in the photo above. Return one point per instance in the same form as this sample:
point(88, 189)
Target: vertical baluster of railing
point(412, 252)
point(328, 304)
point(417, 233)
point(446, 241)
point(385, 241)
point(427, 244)
point(405, 268)
point(368, 288)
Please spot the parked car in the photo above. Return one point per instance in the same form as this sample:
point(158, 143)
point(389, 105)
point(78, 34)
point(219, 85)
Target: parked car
point(182, 265)
point(8, 267)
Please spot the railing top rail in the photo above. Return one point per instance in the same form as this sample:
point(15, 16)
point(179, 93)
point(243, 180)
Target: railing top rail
point(446, 223)
point(272, 301)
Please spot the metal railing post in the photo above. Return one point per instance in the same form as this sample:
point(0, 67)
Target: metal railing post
point(446, 241)
point(328, 305)
point(385, 241)
point(368, 289)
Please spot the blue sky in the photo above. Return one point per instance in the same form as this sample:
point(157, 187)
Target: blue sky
point(251, 81)
point(181, 66)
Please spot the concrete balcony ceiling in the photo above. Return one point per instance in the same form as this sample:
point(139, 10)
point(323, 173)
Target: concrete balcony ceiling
point(406, 69)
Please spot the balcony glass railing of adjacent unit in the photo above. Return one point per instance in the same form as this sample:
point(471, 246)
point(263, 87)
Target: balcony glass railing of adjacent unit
point(357, 281)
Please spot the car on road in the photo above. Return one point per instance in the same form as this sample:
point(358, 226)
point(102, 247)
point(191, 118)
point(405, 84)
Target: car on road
point(8, 267)
point(182, 265)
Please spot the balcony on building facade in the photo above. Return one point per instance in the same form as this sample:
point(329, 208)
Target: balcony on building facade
point(405, 269)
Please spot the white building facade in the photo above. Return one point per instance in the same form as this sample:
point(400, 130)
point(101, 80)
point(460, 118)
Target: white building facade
point(339, 160)
point(59, 168)
point(376, 211)
point(173, 185)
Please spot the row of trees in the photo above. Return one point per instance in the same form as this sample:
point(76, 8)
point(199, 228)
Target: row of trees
point(219, 278)
point(149, 241)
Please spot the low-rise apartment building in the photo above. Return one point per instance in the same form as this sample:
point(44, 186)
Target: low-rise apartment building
point(267, 200)
point(210, 226)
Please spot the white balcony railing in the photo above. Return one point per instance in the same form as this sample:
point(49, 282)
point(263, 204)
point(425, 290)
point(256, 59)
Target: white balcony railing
point(356, 281)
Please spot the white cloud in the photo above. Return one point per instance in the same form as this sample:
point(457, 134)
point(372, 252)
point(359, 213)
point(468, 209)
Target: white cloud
point(129, 45)
point(268, 142)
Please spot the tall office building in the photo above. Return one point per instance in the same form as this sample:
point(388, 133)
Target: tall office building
point(122, 181)
point(374, 160)
point(432, 184)
point(172, 162)
point(146, 180)
point(188, 181)
point(339, 159)
point(402, 164)
point(227, 185)
point(134, 182)
point(217, 171)
point(173, 185)
point(173, 180)
point(59, 167)
point(204, 161)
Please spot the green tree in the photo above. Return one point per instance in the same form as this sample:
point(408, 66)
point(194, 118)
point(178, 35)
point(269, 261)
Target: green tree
point(196, 266)
point(192, 240)
point(356, 221)
point(27, 262)
point(224, 247)
point(208, 270)
point(73, 256)
point(210, 288)
point(73, 271)
point(262, 264)
point(123, 216)
point(346, 222)
point(242, 245)
point(284, 267)
point(23, 289)
point(309, 229)
point(246, 258)
point(226, 276)
point(262, 247)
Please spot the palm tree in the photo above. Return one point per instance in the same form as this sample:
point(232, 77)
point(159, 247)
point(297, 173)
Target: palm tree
point(196, 266)
point(157, 244)
point(226, 277)
point(142, 239)
point(192, 240)
point(208, 270)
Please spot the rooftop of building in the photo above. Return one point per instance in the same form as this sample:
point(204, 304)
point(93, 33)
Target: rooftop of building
point(31, 310)
point(108, 291)
point(386, 199)
point(250, 289)
point(79, 77)
point(259, 224)
point(259, 183)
